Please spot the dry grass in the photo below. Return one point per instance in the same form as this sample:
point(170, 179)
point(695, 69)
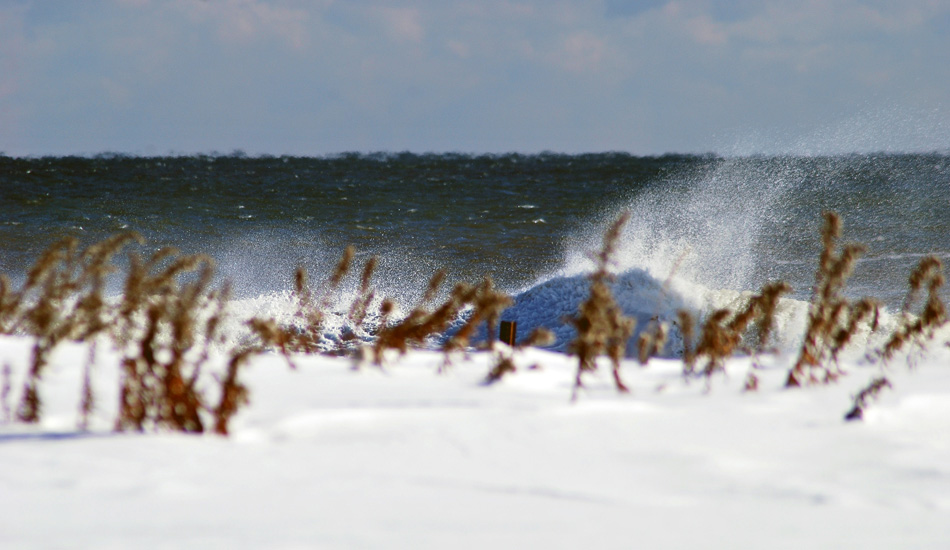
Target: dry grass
point(421, 323)
point(687, 330)
point(726, 332)
point(864, 397)
point(600, 324)
point(165, 349)
point(306, 334)
point(234, 395)
point(61, 299)
point(830, 312)
point(651, 341)
point(486, 304)
point(919, 329)
point(467, 306)
point(157, 325)
point(504, 362)
point(481, 303)
point(361, 304)
point(170, 314)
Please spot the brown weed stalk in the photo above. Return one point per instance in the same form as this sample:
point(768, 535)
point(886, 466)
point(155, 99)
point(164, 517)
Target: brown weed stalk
point(766, 303)
point(687, 329)
point(829, 310)
point(865, 309)
point(159, 326)
point(62, 299)
point(724, 331)
point(651, 341)
point(921, 328)
point(487, 304)
point(361, 303)
point(421, 323)
point(166, 342)
point(504, 363)
point(306, 335)
point(864, 397)
point(234, 395)
point(600, 324)
point(716, 342)
point(42, 308)
point(654, 337)
point(481, 304)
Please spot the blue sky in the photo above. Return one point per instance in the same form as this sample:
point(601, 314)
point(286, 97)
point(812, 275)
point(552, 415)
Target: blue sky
point(325, 76)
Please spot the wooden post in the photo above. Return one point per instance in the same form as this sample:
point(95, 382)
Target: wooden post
point(508, 332)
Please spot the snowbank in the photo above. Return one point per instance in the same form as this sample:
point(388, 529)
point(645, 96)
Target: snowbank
point(329, 457)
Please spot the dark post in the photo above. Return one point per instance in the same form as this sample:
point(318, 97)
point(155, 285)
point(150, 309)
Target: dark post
point(508, 332)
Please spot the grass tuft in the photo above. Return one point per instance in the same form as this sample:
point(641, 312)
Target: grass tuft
point(170, 315)
point(600, 324)
point(156, 326)
point(864, 397)
point(919, 329)
point(829, 311)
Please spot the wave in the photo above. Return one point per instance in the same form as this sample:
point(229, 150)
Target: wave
point(704, 239)
point(643, 298)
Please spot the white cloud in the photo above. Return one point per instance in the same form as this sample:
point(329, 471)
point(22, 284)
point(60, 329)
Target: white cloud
point(245, 21)
point(581, 52)
point(431, 74)
point(403, 24)
point(495, 8)
point(704, 30)
point(116, 92)
point(460, 49)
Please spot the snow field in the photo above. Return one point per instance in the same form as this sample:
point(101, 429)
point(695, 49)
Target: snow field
point(329, 457)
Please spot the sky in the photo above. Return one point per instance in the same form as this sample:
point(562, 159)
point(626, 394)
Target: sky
point(325, 76)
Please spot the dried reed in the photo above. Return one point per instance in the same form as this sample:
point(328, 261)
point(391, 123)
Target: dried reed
point(918, 330)
point(687, 329)
point(767, 303)
point(420, 323)
point(829, 312)
point(487, 304)
point(480, 304)
point(360, 306)
point(155, 325)
point(504, 362)
point(61, 299)
point(234, 395)
point(651, 340)
point(600, 324)
point(863, 398)
point(716, 342)
point(169, 315)
point(156, 391)
point(723, 332)
point(306, 336)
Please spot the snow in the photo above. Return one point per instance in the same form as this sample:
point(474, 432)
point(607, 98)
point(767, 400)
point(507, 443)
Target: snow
point(326, 456)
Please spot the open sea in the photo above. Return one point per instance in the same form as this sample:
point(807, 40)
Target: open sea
point(703, 229)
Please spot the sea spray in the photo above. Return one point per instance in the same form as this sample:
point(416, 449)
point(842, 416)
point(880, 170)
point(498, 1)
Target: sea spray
point(705, 231)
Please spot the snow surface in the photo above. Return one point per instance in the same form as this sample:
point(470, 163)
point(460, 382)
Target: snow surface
point(329, 457)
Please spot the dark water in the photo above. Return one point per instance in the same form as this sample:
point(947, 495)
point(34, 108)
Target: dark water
point(724, 222)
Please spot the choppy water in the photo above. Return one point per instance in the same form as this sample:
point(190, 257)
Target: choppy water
point(526, 220)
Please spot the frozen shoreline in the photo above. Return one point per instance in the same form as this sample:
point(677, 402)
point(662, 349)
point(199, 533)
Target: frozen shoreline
point(405, 457)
